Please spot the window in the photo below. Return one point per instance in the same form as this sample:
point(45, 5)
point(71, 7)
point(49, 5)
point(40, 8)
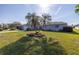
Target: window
point(56, 26)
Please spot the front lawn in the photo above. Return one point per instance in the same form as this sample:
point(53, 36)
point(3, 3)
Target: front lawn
point(8, 41)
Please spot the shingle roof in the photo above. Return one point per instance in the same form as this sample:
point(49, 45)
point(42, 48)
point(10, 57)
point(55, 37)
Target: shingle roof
point(57, 23)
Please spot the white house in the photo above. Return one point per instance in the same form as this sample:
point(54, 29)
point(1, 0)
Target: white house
point(55, 26)
point(23, 27)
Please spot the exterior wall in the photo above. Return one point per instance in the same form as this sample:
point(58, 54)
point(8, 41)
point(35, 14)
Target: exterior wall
point(24, 27)
point(53, 27)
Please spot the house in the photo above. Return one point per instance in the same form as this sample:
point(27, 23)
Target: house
point(76, 26)
point(22, 27)
point(55, 26)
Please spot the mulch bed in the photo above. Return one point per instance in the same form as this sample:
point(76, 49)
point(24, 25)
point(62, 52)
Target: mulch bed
point(36, 34)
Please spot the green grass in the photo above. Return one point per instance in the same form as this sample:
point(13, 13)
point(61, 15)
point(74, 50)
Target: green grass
point(69, 41)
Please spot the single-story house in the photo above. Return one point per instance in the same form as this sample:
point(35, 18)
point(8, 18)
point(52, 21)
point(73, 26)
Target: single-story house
point(22, 27)
point(55, 26)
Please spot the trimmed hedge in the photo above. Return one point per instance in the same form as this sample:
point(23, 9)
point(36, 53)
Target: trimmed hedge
point(1, 29)
point(68, 29)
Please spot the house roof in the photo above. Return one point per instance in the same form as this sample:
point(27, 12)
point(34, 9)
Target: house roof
point(57, 23)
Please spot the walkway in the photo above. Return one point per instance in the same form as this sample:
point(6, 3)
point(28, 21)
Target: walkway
point(7, 31)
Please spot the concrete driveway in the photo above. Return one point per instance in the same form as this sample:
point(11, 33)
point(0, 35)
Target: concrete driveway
point(7, 31)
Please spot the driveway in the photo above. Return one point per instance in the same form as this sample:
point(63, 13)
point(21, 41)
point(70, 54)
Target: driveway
point(7, 31)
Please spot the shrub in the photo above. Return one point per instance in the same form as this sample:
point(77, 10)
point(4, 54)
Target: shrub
point(28, 29)
point(68, 29)
point(12, 28)
point(1, 29)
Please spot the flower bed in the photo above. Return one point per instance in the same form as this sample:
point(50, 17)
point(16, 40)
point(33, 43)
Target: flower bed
point(36, 34)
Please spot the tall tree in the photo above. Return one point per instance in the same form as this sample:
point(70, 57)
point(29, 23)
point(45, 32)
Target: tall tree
point(29, 19)
point(5, 26)
point(17, 24)
point(32, 20)
point(77, 8)
point(35, 21)
point(1, 27)
point(46, 18)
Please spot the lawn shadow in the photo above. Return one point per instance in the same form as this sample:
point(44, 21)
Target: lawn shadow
point(34, 47)
point(52, 46)
point(64, 32)
point(16, 48)
point(73, 33)
point(76, 33)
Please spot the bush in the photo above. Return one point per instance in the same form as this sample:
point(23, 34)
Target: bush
point(1, 29)
point(12, 28)
point(28, 29)
point(68, 29)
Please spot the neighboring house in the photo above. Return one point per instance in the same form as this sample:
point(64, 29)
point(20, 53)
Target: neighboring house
point(55, 26)
point(22, 27)
point(76, 26)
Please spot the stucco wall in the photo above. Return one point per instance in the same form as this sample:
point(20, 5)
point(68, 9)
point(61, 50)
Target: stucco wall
point(53, 27)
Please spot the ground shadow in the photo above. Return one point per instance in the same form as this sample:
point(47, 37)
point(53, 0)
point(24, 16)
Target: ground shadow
point(28, 46)
point(73, 32)
point(16, 48)
point(64, 32)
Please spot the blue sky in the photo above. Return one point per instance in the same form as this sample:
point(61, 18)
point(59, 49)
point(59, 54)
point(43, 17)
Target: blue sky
point(59, 12)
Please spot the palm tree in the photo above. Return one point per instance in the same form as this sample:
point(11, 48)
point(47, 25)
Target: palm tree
point(29, 18)
point(33, 20)
point(77, 9)
point(37, 21)
point(46, 18)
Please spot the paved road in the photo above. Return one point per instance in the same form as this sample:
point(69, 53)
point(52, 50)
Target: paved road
point(7, 31)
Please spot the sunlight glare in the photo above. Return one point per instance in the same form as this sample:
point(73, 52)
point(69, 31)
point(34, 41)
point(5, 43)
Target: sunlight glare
point(44, 8)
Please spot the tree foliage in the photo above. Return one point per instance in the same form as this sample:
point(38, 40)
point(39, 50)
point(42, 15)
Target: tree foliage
point(36, 21)
point(77, 8)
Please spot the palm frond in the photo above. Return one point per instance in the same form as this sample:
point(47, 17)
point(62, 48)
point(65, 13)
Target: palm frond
point(77, 6)
point(76, 10)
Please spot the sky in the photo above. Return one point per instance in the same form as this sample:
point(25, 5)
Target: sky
point(60, 12)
